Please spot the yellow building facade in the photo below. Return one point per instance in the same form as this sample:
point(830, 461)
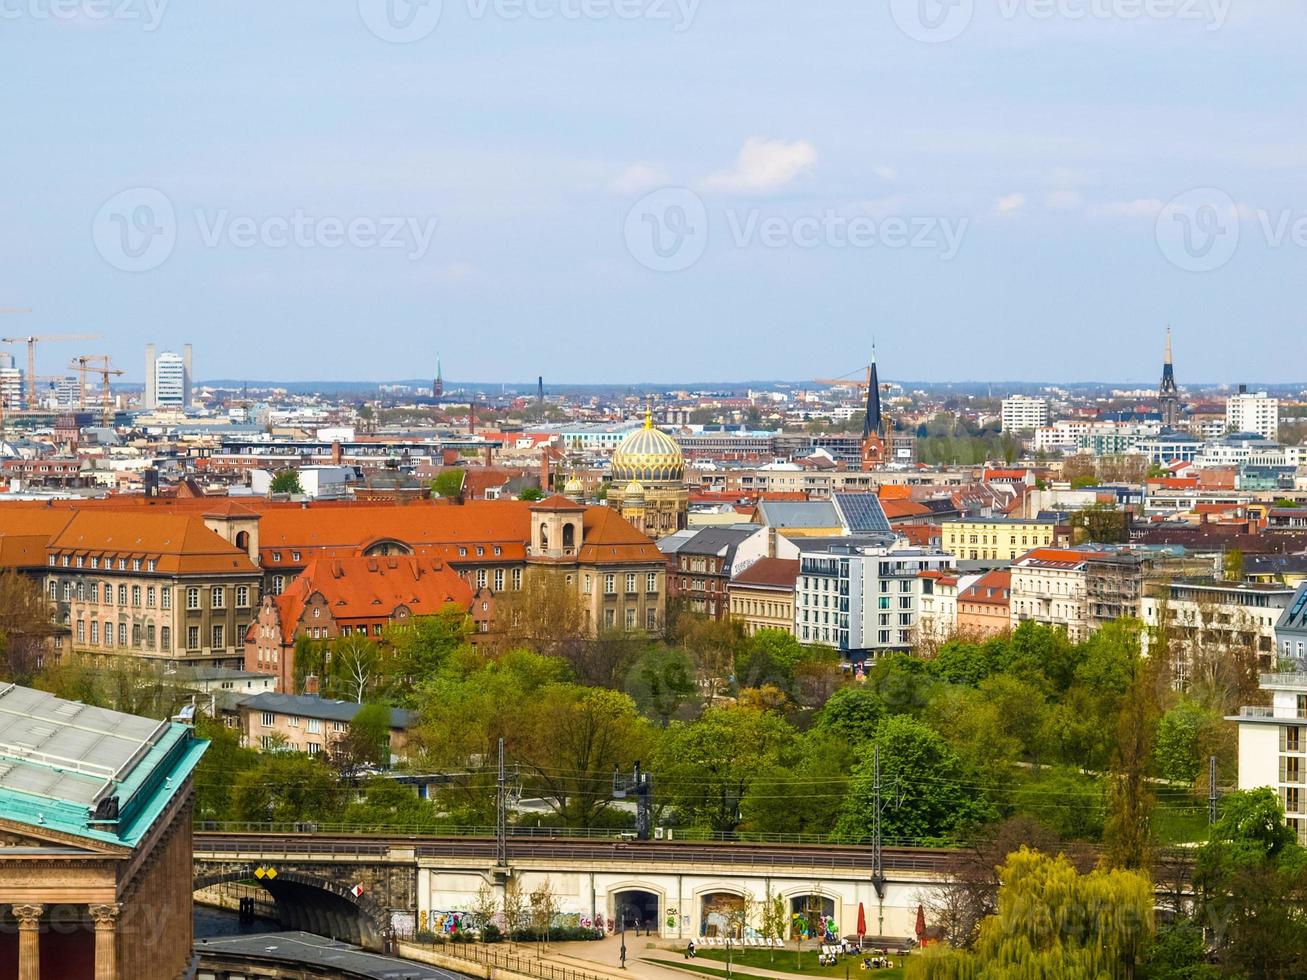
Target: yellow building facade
point(994, 538)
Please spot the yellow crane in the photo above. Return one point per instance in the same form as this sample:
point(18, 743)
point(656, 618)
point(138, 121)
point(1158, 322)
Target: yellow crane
point(101, 364)
point(31, 355)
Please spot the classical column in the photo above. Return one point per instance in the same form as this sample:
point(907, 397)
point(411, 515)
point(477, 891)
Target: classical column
point(29, 940)
point(105, 918)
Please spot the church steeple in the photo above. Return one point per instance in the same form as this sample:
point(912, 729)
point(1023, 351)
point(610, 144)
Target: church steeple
point(873, 426)
point(1168, 393)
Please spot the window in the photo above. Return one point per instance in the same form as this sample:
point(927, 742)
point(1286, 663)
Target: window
point(79, 561)
point(278, 584)
point(294, 556)
point(81, 631)
point(122, 595)
point(165, 598)
point(95, 631)
point(630, 619)
point(481, 578)
point(94, 591)
point(610, 618)
point(192, 637)
point(151, 565)
point(53, 590)
point(192, 598)
point(242, 597)
point(293, 721)
point(151, 596)
point(266, 742)
point(651, 582)
point(610, 585)
point(587, 584)
point(630, 582)
point(136, 635)
point(517, 579)
point(499, 580)
point(276, 556)
point(313, 748)
point(218, 597)
point(268, 719)
point(480, 551)
point(122, 634)
point(81, 591)
point(136, 595)
point(651, 619)
point(218, 636)
point(136, 564)
point(149, 636)
point(314, 726)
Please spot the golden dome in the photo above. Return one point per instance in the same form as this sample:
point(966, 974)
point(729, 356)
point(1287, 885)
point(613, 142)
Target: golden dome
point(648, 455)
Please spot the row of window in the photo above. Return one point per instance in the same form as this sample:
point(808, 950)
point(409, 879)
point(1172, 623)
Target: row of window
point(631, 620)
point(143, 636)
point(610, 583)
point(149, 596)
point(137, 564)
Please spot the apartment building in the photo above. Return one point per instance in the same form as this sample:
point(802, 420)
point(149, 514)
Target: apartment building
point(995, 538)
point(1273, 746)
point(1079, 591)
point(701, 563)
point(985, 606)
point(863, 600)
point(1207, 619)
point(937, 617)
point(303, 723)
point(1291, 627)
point(762, 596)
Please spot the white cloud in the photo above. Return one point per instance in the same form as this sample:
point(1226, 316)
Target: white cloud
point(1143, 207)
point(764, 166)
point(1010, 204)
point(1063, 200)
point(638, 178)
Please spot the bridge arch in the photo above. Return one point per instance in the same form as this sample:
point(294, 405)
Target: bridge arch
point(641, 902)
point(313, 904)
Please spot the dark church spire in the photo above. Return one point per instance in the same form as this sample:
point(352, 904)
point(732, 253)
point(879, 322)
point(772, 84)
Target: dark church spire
point(874, 422)
point(1168, 394)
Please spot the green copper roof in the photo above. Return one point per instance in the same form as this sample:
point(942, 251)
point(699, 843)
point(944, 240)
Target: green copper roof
point(95, 773)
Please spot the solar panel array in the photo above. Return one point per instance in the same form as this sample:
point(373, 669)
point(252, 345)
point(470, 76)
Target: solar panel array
point(862, 512)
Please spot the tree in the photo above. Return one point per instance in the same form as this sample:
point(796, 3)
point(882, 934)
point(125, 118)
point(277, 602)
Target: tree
point(286, 481)
point(422, 645)
point(1127, 832)
point(774, 918)
point(357, 666)
point(572, 739)
point(449, 483)
point(365, 743)
point(1183, 736)
point(714, 644)
point(1100, 524)
point(1232, 564)
point(1250, 880)
point(387, 803)
point(515, 908)
point(852, 713)
point(544, 906)
point(1052, 922)
point(707, 766)
point(484, 905)
point(662, 682)
point(546, 615)
point(285, 787)
point(802, 792)
point(26, 625)
point(531, 494)
point(219, 768)
point(927, 791)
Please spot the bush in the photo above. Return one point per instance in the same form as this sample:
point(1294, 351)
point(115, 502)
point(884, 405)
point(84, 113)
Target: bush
point(559, 935)
point(490, 933)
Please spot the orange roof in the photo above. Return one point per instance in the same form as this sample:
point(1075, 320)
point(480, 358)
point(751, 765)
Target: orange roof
point(894, 491)
point(178, 543)
point(992, 587)
point(372, 588)
point(23, 550)
point(897, 509)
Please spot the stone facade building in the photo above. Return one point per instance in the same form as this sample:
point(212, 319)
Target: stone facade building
point(762, 596)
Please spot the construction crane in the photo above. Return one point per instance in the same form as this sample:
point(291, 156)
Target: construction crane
point(30, 341)
point(860, 384)
point(101, 364)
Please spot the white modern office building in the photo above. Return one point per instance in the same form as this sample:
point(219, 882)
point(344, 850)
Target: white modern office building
point(11, 383)
point(864, 601)
point(1021, 413)
point(167, 379)
point(1253, 411)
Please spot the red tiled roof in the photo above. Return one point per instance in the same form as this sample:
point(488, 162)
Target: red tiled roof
point(769, 573)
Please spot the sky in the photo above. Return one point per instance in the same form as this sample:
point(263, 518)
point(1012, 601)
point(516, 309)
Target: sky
point(650, 190)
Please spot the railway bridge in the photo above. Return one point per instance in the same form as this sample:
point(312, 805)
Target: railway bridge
point(364, 888)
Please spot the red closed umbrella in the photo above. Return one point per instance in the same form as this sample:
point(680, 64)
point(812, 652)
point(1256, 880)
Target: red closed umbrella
point(921, 924)
point(862, 922)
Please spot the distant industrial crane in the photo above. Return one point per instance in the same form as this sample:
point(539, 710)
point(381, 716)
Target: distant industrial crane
point(31, 356)
point(102, 365)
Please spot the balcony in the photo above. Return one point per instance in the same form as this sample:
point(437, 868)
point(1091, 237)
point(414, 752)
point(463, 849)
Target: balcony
point(1256, 711)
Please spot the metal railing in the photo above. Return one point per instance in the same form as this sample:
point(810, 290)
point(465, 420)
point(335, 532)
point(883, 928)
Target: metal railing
point(500, 959)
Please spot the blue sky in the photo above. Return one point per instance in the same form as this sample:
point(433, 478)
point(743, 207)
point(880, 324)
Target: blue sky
point(301, 197)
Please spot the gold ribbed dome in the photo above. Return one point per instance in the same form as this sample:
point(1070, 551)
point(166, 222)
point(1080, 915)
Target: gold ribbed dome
point(648, 456)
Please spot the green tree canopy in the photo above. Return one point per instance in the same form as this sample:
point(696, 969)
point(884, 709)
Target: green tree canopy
point(286, 481)
point(449, 483)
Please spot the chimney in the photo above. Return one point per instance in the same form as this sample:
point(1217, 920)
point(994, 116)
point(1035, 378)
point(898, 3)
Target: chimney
point(337, 454)
point(544, 470)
